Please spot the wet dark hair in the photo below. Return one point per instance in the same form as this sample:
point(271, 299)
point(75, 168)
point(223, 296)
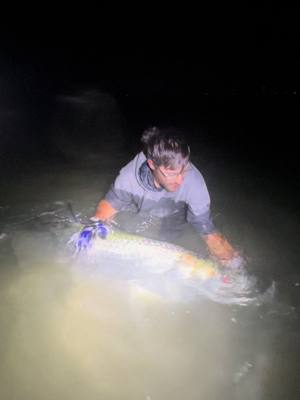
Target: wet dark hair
point(165, 147)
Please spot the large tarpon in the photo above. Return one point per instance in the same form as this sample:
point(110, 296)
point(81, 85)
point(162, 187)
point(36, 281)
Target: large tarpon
point(159, 266)
point(158, 256)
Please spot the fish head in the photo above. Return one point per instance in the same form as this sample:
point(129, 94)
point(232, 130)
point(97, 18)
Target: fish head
point(193, 266)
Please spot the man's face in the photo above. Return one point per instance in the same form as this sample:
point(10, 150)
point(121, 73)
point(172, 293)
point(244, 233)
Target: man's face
point(169, 179)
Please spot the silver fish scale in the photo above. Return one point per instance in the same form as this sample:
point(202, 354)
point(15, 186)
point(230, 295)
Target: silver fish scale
point(160, 255)
point(121, 253)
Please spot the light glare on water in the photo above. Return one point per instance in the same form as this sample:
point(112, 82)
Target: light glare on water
point(66, 337)
point(69, 336)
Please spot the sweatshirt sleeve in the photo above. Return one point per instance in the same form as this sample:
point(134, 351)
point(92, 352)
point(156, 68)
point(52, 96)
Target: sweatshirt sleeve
point(121, 192)
point(119, 195)
point(198, 211)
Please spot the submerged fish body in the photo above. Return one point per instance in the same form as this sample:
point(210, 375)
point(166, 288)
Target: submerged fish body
point(162, 268)
point(157, 256)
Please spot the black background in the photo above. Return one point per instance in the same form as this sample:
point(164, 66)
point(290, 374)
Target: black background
point(232, 71)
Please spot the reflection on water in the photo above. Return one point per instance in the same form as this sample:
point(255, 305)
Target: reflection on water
point(67, 335)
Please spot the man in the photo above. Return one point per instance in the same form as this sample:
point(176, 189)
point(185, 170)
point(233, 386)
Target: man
point(161, 184)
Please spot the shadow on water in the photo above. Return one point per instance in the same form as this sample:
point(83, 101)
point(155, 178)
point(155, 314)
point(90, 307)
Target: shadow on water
point(65, 335)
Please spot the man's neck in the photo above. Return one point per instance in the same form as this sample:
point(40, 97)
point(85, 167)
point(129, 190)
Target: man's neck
point(156, 184)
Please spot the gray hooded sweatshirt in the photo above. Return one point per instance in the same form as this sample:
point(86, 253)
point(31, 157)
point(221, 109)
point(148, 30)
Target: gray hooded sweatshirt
point(134, 192)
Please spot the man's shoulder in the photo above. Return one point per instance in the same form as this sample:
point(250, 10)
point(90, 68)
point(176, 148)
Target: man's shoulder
point(194, 176)
point(133, 165)
point(194, 188)
point(128, 176)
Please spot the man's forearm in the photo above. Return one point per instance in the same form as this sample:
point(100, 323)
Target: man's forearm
point(104, 211)
point(218, 246)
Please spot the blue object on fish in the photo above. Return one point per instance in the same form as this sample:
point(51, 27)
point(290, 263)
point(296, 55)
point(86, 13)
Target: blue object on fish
point(88, 233)
point(84, 239)
point(102, 230)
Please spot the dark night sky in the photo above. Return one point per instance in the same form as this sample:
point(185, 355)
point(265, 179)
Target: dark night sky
point(249, 51)
point(239, 65)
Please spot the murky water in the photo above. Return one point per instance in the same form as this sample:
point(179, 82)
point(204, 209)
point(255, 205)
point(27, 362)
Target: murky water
point(66, 335)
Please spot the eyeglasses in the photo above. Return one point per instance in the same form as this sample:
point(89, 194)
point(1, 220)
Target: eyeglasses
point(186, 168)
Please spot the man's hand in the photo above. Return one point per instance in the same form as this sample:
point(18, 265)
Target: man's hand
point(237, 262)
point(220, 248)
